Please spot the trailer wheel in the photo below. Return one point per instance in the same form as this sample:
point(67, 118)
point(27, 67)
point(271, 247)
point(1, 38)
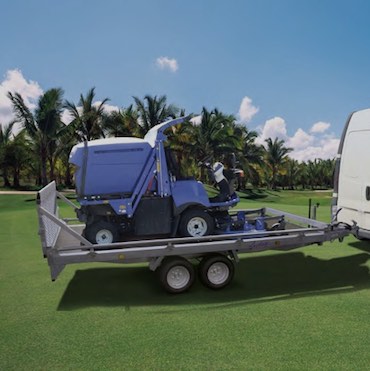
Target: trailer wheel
point(101, 232)
point(196, 223)
point(216, 271)
point(176, 275)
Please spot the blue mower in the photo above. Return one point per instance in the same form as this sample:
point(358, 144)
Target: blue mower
point(132, 188)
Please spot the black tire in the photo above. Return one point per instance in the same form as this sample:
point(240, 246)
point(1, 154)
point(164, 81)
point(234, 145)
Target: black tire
point(196, 223)
point(101, 232)
point(176, 275)
point(276, 227)
point(216, 271)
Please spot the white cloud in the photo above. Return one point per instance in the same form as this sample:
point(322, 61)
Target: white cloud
point(15, 82)
point(196, 120)
point(167, 63)
point(247, 110)
point(66, 117)
point(320, 127)
point(323, 150)
point(320, 146)
point(300, 139)
point(306, 146)
point(273, 128)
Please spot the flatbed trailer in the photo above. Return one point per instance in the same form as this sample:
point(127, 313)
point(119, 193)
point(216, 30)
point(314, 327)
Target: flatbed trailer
point(63, 243)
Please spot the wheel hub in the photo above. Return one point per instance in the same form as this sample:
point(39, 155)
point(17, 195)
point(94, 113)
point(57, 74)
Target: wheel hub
point(197, 227)
point(218, 273)
point(104, 236)
point(178, 277)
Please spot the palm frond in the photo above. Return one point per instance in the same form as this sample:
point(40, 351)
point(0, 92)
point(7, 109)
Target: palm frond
point(23, 114)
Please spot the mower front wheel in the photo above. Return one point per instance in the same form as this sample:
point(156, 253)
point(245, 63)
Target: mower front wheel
point(101, 232)
point(196, 223)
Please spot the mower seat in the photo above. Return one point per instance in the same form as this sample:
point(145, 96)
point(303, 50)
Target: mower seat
point(225, 192)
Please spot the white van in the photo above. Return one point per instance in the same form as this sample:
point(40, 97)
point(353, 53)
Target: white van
point(351, 197)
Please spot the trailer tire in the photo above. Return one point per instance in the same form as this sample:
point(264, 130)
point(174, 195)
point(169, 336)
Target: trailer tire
point(216, 271)
point(176, 275)
point(196, 223)
point(101, 232)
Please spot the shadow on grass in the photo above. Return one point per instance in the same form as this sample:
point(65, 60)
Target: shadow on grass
point(251, 194)
point(361, 245)
point(265, 278)
point(260, 194)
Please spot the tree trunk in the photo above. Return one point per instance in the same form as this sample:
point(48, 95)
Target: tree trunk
point(16, 173)
point(51, 165)
point(5, 177)
point(68, 177)
point(44, 179)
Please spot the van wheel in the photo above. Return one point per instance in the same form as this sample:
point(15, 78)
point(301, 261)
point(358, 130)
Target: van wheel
point(176, 275)
point(101, 232)
point(216, 271)
point(196, 223)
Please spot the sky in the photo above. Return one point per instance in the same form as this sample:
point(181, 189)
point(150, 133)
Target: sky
point(292, 69)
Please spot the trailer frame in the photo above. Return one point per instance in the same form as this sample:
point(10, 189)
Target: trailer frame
point(63, 244)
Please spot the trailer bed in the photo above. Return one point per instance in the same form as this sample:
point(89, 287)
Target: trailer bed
point(63, 243)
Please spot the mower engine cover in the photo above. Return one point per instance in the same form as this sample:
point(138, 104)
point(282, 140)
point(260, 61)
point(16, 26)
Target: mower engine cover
point(109, 166)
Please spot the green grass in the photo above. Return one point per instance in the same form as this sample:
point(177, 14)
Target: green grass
point(304, 309)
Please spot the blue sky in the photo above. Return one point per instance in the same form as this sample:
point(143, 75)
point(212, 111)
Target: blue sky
point(300, 67)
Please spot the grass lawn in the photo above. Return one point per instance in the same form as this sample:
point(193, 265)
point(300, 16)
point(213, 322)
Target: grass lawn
point(305, 309)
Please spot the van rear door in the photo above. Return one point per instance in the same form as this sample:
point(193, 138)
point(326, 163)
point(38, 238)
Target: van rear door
point(354, 172)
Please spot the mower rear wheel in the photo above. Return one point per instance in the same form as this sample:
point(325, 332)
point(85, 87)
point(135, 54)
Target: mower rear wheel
point(101, 232)
point(196, 223)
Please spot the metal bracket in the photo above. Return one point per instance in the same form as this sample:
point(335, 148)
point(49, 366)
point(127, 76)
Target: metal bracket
point(235, 256)
point(155, 263)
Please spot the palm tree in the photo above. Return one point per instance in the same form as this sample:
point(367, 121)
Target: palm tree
point(275, 154)
point(214, 138)
point(17, 156)
point(87, 116)
point(122, 123)
point(327, 170)
point(251, 155)
point(42, 126)
point(320, 173)
point(181, 142)
point(67, 138)
point(293, 173)
point(153, 111)
point(5, 138)
point(214, 135)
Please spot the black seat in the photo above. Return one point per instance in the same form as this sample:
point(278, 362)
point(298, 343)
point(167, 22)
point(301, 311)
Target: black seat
point(225, 192)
